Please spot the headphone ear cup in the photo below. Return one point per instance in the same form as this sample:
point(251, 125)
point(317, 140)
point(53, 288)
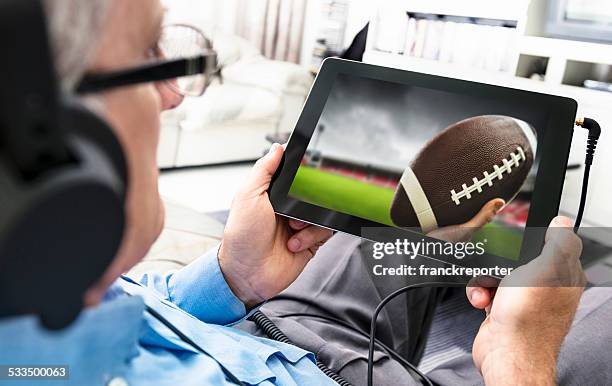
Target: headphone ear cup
point(63, 229)
point(82, 122)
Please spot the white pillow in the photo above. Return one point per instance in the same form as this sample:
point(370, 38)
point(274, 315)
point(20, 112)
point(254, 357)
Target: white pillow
point(230, 103)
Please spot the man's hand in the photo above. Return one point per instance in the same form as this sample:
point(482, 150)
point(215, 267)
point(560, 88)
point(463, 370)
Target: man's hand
point(530, 313)
point(464, 232)
point(261, 253)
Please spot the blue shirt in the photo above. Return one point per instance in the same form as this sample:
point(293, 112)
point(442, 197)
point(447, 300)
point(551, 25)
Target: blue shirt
point(119, 341)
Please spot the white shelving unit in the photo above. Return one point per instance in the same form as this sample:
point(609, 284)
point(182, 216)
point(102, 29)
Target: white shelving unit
point(487, 9)
point(514, 12)
point(561, 52)
point(558, 52)
point(566, 63)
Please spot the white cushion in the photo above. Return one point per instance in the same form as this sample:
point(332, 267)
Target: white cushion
point(227, 103)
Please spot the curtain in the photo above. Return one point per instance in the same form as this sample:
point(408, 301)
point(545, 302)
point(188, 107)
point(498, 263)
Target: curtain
point(275, 27)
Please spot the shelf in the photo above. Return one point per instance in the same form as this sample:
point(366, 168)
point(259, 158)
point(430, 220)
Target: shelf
point(450, 70)
point(567, 49)
point(528, 65)
point(578, 72)
point(485, 9)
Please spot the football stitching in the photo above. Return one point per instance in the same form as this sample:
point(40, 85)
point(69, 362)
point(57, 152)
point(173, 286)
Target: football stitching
point(513, 160)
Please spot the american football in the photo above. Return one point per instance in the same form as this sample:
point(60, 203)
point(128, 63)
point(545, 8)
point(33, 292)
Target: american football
point(468, 164)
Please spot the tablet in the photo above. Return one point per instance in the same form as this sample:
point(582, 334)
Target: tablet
point(384, 149)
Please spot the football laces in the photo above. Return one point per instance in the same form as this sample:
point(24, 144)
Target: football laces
point(513, 161)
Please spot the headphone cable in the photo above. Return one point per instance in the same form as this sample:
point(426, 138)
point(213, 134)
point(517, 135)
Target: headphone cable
point(381, 306)
point(394, 354)
point(594, 133)
point(273, 332)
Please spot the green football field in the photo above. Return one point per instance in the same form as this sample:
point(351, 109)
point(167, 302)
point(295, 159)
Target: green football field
point(373, 202)
point(343, 194)
point(501, 240)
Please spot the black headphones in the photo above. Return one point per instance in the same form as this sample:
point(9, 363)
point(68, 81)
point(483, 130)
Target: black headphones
point(62, 180)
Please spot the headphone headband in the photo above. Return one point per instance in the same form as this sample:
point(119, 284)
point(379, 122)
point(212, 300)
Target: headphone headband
point(29, 122)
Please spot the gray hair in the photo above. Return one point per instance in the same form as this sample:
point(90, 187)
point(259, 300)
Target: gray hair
point(74, 27)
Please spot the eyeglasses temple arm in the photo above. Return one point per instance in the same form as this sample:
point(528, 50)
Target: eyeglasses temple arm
point(148, 73)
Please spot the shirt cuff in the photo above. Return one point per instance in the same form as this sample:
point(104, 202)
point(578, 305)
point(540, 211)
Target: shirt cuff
point(201, 290)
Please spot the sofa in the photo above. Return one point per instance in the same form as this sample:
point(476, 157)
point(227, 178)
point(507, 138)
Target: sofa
point(257, 97)
point(186, 236)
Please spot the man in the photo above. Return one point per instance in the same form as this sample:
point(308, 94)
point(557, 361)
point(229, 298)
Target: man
point(131, 332)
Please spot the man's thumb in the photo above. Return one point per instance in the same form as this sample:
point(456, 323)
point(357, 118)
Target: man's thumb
point(266, 166)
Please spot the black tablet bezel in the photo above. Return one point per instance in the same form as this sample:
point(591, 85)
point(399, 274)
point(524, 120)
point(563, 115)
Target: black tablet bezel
point(555, 150)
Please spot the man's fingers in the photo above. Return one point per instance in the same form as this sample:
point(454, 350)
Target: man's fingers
point(311, 237)
point(559, 263)
point(562, 244)
point(486, 214)
point(297, 225)
point(479, 297)
point(479, 291)
point(561, 222)
point(557, 227)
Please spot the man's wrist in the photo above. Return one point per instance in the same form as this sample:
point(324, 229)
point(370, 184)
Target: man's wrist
point(534, 365)
point(237, 282)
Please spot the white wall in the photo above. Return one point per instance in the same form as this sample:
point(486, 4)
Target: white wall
point(311, 29)
point(538, 14)
point(220, 14)
point(360, 13)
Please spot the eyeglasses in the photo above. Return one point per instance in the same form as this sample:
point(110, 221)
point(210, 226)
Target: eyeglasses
point(184, 59)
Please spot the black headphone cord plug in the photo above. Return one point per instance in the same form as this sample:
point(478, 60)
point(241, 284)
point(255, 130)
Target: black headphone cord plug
point(594, 133)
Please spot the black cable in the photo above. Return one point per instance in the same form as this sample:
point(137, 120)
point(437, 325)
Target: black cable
point(193, 344)
point(594, 133)
point(269, 328)
point(332, 375)
point(313, 304)
point(382, 305)
point(391, 352)
point(273, 332)
point(583, 197)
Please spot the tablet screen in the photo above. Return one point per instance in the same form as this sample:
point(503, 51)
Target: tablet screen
point(419, 158)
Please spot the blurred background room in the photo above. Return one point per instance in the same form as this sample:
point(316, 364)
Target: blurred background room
point(270, 51)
